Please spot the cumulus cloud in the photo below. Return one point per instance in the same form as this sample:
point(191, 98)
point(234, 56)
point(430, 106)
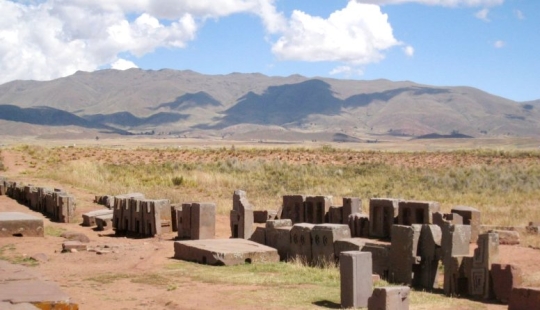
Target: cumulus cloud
point(499, 44)
point(123, 64)
point(448, 3)
point(355, 35)
point(47, 39)
point(482, 14)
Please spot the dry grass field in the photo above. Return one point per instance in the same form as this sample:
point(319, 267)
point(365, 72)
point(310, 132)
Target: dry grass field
point(502, 179)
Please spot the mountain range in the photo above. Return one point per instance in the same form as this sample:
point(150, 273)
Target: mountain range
point(255, 106)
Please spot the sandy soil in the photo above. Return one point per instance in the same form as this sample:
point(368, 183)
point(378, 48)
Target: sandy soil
point(84, 275)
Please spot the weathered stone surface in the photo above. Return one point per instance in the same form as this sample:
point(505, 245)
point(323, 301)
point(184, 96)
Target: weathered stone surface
point(20, 285)
point(351, 205)
point(261, 216)
point(300, 244)
point(335, 215)
point(278, 236)
point(456, 277)
point(203, 220)
point(403, 253)
point(323, 237)
point(104, 222)
point(293, 208)
point(485, 255)
point(471, 216)
point(380, 254)
point(429, 250)
point(356, 282)
point(75, 236)
point(259, 235)
point(505, 278)
point(507, 237)
point(224, 252)
point(316, 208)
point(89, 218)
point(359, 225)
point(383, 214)
point(389, 298)
point(349, 244)
point(524, 298)
point(241, 216)
point(416, 212)
point(73, 245)
point(20, 224)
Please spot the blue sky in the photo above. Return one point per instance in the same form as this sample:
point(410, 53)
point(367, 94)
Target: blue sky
point(493, 45)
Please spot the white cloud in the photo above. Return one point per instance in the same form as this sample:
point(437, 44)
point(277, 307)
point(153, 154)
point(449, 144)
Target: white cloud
point(482, 14)
point(499, 44)
point(123, 64)
point(47, 39)
point(355, 35)
point(408, 50)
point(448, 3)
point(347, 71)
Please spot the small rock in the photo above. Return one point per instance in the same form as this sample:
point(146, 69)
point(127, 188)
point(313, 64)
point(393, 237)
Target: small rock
point(73, 251)
point(101, 252)
point(75, 236)
point(40, 257)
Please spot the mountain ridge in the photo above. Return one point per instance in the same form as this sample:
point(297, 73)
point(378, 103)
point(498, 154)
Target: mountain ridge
point(181, 102)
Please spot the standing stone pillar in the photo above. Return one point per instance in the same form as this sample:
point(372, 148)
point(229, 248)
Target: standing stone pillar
point(356, 283)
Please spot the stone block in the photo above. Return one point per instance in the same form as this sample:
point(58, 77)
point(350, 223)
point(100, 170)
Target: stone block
point(383, 214)
point(429, 250)
point(241, 216)
point(89, 218)
point(224, 252)
point(403, 253)
point(20, 224)
point(380, 254)
point(66, 208)
point(279, 238)
point(259, 235)
point(104, 222)
point(456, 282)
point(174, 219)
point(349, 244)
point(323, 237)
point(261, 216)
point(471, 216)
point(300, 244)
point(505, 278)
point(316, 208)
point(524, 298)
point(359, 225)
point(416, 212)
point(293, 208)
point(335, 215)
point(184, 221)
point(73, 245)
point(507, 237)
point(389, 298)
point(355, 279)
point(203, 221)
point(455, 240)
point(351, 205)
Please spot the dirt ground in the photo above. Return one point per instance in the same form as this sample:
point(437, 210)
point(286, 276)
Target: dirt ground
point(85, 276)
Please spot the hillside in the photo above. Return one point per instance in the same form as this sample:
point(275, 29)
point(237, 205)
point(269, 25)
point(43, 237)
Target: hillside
point(192, 104)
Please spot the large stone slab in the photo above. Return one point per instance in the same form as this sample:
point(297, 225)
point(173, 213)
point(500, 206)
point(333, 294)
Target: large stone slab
point(323, 237)
point(355, 278)
point(224, 252)
point(89, 218)
point(471, 216)
point(20, 224)
point(383, 214)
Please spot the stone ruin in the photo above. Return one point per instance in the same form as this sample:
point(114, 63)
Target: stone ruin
point(56, 204)
point(407, 242)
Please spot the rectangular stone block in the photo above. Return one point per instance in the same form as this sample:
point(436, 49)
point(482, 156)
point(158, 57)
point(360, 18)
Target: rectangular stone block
point(259, 235)
point(349, 244)
point(203, 220)
point(174, 218)
point(316, 208)
point(293, 208)
point(380, 254)
point(323, 237)
point(456, 282)
point(355, 279)
point(184, 221)
point(20, 224)
point(104, 222)
point(383, 214)
point(429, 250)
point(524, 298)
point(279, 238)
point(261, 216)
point(403, 253)
point(455, 240)
point(416, 212)
point(471, 216)
point(89, 218)
point(389, 298)
point(505, 278)
point(351, 205)
point(241, 216)
point(359, 225)
point(335, 215)
point(300, 244)
point(224, 252)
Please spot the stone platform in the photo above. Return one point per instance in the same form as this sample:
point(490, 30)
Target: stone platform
point(20, 224)
point(224, 252)
point(20, 286)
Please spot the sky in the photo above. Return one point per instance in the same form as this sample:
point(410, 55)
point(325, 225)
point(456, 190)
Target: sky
point(493, 45)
